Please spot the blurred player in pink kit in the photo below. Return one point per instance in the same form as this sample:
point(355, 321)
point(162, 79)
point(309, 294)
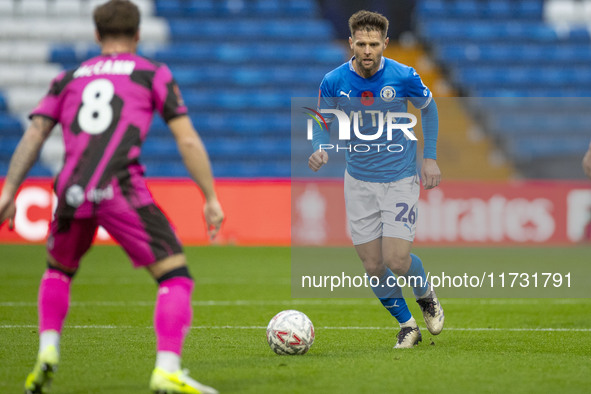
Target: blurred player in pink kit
point(105, 108)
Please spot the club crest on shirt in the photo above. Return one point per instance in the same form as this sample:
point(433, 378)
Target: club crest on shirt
point(388, 93)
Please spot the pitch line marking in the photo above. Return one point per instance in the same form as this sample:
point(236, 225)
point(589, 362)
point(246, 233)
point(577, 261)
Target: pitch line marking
point(111, 326)
point(325, 301)
point(201, 303)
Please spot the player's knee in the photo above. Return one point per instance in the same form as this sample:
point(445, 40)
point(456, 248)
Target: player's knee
point(374, 267)
point(398, 262)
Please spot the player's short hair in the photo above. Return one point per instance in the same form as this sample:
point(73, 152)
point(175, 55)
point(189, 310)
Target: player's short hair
point(117, 18)
point(368, 21)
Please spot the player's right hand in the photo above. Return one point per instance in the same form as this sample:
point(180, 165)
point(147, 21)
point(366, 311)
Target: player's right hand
point(587, 162)
point(7, 211)
point(214, 216)
point(317, 160)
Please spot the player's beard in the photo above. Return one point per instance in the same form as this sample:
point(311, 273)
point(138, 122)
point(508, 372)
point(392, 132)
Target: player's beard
point(370, 68)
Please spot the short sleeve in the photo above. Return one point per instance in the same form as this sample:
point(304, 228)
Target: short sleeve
point(167, 95)
point(419, 95)
point(50, 105)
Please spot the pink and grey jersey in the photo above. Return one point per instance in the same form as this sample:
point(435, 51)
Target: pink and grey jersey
point(105, 107)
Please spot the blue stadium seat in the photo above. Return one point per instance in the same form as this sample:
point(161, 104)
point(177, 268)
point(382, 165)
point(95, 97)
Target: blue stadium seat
point(194, 54)
point(542, 124)
point(279, 169)
point(531, 9)
point(163, 148)
point(488, 31)
point(199, 8)
point(286, 76)
point(189, 30)
point(305, 30)
point(39, 171)
point(63, 54)
point(432, 9)
point(3, 106)
point(505, 48)
point(7, 145)
point(300, 7)
point(245, 123)
point(91, 52)
point(499, 9)
point(478, 9)
point(164, 168)
point(529, 92)
point(267, 7)
point(171, 8)
point(237, 76)
point(190, 54)
point(238, 99)
point(230, 8)
point(262, 148)
point(9, 125)
point(526, 149)
point(523, 76)
point(579, 34)
point(464, 8)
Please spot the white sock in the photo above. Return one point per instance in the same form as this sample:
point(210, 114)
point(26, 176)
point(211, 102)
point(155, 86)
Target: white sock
point(48, 338)
point(410, 323)
point(427, 293)
point(168, 361)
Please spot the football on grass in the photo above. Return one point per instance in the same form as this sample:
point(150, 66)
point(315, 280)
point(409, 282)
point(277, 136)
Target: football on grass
point(290, 332)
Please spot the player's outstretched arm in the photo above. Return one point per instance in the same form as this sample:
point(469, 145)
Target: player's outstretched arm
point(22, 160)
point(197, 162)
point(317, 160)
point(587, 162)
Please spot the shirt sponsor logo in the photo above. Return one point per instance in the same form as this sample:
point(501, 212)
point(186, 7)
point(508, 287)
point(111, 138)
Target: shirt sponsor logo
point(75, 195)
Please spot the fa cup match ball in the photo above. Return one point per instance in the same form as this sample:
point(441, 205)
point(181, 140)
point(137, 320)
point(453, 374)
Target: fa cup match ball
point(290, 332)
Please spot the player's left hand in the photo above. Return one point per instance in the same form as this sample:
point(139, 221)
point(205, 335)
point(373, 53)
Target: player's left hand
point(430, 174)
point(7, 211)
point(214, 216)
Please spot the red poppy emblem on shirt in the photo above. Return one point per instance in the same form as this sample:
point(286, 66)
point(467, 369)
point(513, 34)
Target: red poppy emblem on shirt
point(367, 98)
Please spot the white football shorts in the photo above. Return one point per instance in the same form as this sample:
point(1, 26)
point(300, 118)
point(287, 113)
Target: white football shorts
point(377, 210)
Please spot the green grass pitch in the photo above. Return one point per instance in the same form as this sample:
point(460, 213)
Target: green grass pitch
point(489, 345)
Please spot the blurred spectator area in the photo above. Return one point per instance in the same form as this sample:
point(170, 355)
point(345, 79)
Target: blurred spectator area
point(464, 151)
point(32, 32)
point(238, 63)
point(529, 62)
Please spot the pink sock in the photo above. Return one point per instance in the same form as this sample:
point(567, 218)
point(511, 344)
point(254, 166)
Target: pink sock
point(173, 314)
point(54, 300)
